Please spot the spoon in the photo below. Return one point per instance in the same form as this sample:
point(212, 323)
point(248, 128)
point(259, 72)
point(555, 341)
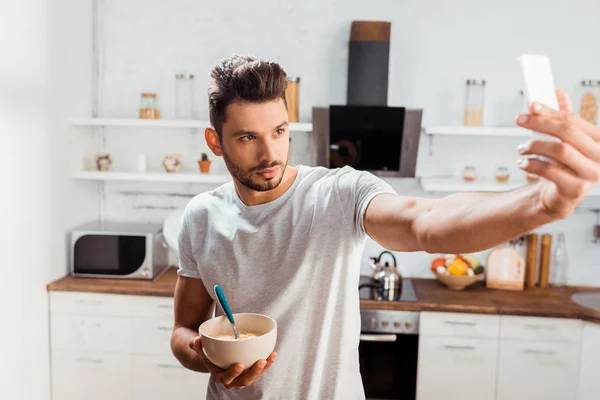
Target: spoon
point(222, 300)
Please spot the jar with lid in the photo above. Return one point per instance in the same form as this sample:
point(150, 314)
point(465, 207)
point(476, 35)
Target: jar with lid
point(292, 98)
point(148, 106)
point(588, 107)
point(469, 173)
point(474, 102)
point(184, 96)
point(502, 174)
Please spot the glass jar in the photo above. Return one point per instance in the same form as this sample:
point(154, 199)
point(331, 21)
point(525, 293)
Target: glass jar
point(474, 102)
point(502, 174)
point(532, 178)
point(588, 107)
point(184, 96)
point(292, 98)
point(560, 262)
point(148, 107)
point(469, 173)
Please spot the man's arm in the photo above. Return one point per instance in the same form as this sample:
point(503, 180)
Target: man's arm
point(459, 223)
point(192, 305)
point(469, 222)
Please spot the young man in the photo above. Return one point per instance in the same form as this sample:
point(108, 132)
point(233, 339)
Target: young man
point(287, 241)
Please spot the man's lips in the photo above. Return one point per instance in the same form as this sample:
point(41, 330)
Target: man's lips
point(267, 172)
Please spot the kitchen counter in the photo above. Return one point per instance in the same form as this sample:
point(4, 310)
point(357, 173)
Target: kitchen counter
point(431, 296)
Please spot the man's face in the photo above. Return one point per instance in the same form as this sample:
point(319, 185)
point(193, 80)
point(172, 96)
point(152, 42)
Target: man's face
point(255, 143)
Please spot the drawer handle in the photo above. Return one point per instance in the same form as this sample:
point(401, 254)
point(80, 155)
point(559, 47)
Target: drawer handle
point(541, 352)
point(461, 323)
point(165, 328)
point(165, 306)
point(455, 347)
point(377, 338)
point(95, 302)
point(96, 324)
point(542, 327)
point(90, 360)
point(168, 366)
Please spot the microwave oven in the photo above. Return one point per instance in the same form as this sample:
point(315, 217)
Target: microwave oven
point(126, 250)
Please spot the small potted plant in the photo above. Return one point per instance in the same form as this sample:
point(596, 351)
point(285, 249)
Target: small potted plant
point(204, 164)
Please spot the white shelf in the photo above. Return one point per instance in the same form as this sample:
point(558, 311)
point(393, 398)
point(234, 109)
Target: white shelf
point(477, 131)
point(181, 177)
point(459, 185)
point(164, 123)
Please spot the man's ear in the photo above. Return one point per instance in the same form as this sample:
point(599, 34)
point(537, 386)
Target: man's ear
point(213, 142)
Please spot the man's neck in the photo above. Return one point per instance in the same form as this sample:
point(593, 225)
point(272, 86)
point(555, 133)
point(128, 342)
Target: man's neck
point(252, 197)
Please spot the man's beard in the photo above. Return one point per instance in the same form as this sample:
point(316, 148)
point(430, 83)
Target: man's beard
point(245, 176)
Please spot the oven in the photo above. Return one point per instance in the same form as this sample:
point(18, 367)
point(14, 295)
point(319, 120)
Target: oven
point(388, 351)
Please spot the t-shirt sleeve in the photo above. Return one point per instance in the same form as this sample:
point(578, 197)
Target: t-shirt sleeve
point(357, 189)
point(187, 264)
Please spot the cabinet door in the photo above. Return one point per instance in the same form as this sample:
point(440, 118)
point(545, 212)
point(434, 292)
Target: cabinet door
point(78, 375)
point(151, 336)
point(76, 332)
point(589, 384)
point(537, 370)
point(163, 377)
point(540, 329)
point(456, 368)
point(459, 325)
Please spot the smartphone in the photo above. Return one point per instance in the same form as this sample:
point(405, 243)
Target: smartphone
point(539, 87)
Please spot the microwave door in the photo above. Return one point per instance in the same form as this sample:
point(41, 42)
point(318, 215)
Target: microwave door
point(116, 255)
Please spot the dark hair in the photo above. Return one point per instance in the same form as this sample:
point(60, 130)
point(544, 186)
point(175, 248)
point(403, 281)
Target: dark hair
point(244, 79)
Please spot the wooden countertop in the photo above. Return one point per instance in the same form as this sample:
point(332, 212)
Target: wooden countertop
point(431, 296)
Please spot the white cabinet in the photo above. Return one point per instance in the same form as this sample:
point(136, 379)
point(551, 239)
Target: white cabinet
point(78, 332)
point(537, 370)
point(589, 384)
point(163, 377)
point(458, 355)
point(491, 357)
point(117, 347)
point(456, 368)
point(539, 358)
point(459, 325)
point(90, 375)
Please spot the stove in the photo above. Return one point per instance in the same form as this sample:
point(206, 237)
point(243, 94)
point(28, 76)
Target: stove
point(366, 293)
point(388, 321)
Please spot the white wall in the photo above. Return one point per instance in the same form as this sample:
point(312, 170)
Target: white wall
point(435, 46)
point(45, 76)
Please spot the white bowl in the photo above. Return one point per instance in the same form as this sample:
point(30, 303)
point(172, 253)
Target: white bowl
point(225, 353)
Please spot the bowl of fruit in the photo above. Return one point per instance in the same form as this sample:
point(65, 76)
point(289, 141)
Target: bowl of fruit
point(457, 271)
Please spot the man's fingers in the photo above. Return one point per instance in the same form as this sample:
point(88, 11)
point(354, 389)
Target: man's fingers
point(270, 361)
point(564, 102)
point(566, 183)
point(248, 377)
point(565, 154)
point(226, 377)
point(196, 345)
point(564, 126)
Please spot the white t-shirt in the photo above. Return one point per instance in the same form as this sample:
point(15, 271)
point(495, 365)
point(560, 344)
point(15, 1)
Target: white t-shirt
point(297, 260)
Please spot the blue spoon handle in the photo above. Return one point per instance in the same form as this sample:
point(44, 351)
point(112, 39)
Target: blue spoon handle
point(224, 304)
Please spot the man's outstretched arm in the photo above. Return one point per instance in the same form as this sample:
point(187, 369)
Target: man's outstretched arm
point(469, 222)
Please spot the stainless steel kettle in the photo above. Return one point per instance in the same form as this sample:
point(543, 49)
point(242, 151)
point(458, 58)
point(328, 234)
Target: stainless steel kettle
point(387, 281)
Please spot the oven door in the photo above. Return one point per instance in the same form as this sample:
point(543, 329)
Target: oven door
point(388, 365)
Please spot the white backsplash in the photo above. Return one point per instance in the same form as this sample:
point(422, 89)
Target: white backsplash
point(435, 46)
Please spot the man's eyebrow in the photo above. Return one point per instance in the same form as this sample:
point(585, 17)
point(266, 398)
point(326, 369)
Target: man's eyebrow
point(281, 125)
point(244, 132)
